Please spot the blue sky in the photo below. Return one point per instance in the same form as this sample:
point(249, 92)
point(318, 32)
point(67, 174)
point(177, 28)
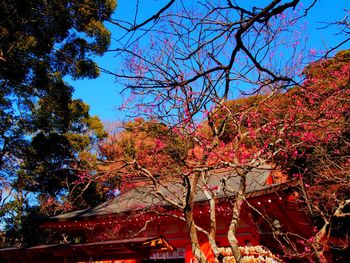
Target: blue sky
point(103, 94)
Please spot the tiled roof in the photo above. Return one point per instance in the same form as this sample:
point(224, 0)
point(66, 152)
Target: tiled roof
point(144, 196)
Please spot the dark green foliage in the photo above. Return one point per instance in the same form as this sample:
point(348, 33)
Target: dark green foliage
point(23, 229)
point(45, 135)
point(52, 36)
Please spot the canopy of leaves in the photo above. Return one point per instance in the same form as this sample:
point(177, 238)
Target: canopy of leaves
point(46, 137)
point(51, 36)
point(144, 143)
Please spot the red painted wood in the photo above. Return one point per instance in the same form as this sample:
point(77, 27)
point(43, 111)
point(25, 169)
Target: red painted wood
point(115, 227)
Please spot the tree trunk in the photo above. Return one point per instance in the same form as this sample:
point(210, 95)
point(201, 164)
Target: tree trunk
point(188, 212)
point(196, 249)
point(212, 232)
point(236, 211)
point(321, 257)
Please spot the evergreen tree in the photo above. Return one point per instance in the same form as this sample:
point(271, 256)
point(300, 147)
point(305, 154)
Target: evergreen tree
point(45, 135)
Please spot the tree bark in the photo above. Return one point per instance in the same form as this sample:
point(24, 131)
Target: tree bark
point(188, 212)
point(236, 210)
point(196, 249)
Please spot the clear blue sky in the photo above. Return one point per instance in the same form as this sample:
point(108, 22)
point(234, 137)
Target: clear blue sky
point(103, 94)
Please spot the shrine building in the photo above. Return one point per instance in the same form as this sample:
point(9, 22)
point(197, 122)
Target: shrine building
point(139, 226)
